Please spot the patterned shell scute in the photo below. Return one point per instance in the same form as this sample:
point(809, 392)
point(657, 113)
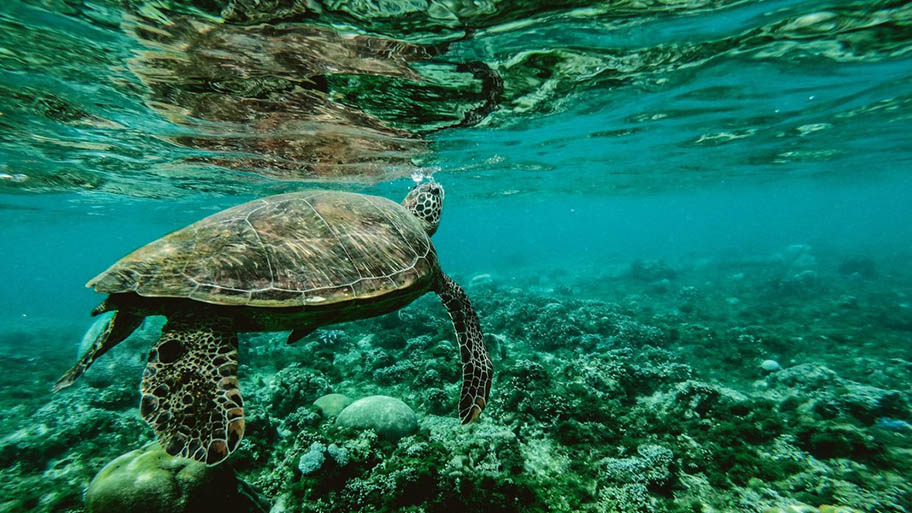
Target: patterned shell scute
point(305, 248)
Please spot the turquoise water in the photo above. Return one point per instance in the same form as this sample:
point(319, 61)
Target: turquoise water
point(645, 201)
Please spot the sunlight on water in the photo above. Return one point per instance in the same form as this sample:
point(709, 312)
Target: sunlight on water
point(101, 98)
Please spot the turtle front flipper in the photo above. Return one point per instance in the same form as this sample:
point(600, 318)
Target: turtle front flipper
point(299, 333)
point(190, 392)
point(118, 328)
point(477, 369)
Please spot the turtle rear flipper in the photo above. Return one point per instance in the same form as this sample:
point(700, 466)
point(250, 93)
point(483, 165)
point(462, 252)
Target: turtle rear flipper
point(477, 369)
point(190, 392)
point(121, 325)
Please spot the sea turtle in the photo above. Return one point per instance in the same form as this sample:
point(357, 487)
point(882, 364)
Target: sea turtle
point(293, 261)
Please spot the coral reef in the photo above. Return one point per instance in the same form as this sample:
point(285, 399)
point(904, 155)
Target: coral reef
point(625, 395)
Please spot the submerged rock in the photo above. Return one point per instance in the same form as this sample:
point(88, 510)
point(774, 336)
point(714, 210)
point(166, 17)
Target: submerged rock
point(331, 405)
point(389, 417)
point(863, 266)
point(651, 467)
point(651, 270)
point(805, 377)
point(865, 403)
point(770, 365)
point(148, 480)
point(803, 281)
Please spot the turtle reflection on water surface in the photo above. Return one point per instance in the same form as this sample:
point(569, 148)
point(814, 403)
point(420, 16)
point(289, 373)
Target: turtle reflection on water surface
point(294, 261)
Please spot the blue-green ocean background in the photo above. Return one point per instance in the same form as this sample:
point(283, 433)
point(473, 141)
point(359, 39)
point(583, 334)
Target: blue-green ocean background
point(55, 243)
point(573, 139)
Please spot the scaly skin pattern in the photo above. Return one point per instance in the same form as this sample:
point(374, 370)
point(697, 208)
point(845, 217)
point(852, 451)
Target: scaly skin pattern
point(477, 370)
point(190, 391)
point(425, 202)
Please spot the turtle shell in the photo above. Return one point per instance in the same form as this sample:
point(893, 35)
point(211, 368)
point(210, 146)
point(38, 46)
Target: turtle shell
point(303, 248)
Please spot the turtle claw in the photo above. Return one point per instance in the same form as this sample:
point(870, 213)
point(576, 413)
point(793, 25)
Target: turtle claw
point(67, 379)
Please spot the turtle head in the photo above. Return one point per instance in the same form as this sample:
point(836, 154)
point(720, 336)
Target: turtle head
point(425, 201)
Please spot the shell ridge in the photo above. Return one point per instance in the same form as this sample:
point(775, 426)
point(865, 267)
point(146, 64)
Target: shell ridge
point(350, 284)
point(198, 284)
point(181, 279)
point(262, 244)
point(339, 240)
point(370, 200)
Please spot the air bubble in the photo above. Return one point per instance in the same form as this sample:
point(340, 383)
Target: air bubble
point(15, 178)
